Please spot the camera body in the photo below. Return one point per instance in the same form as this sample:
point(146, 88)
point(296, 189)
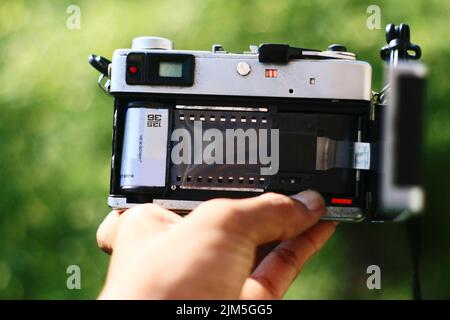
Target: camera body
point(195, 125)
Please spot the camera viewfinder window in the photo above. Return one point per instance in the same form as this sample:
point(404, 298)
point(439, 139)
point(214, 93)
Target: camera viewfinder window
point(171, 69)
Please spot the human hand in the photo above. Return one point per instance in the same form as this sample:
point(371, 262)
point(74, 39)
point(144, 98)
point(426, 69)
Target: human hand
point(210, 253)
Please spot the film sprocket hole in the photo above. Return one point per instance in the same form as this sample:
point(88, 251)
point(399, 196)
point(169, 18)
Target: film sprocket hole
point(195, 125)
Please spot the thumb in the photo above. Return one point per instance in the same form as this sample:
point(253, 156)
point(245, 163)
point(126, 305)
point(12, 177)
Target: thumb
point(265, 218)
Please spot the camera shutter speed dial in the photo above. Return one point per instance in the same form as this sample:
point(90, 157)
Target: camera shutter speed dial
point(152, 43)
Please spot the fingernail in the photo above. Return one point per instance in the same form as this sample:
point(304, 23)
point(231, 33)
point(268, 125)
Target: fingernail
point(311, 199)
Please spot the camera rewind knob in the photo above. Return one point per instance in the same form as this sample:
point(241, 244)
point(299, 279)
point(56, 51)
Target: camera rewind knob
point(152, 43)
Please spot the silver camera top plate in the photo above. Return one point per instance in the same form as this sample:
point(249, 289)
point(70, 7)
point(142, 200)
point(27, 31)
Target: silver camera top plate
point(336, 75)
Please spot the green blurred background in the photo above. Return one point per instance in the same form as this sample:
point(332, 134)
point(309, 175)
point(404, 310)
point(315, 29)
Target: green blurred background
point(55, 133)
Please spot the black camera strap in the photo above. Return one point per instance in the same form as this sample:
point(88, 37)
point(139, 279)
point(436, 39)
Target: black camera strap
point(413, 232)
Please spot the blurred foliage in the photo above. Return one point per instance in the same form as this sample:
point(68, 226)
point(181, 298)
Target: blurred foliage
point(55, 133)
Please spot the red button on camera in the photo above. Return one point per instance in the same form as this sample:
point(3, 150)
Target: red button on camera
point(133, 69)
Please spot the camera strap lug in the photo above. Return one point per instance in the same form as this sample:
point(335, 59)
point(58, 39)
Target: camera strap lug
point(104, 85)
point(103, 66)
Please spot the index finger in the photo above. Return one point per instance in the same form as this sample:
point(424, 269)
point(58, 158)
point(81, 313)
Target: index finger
point(275, 273)
point(145, 219)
